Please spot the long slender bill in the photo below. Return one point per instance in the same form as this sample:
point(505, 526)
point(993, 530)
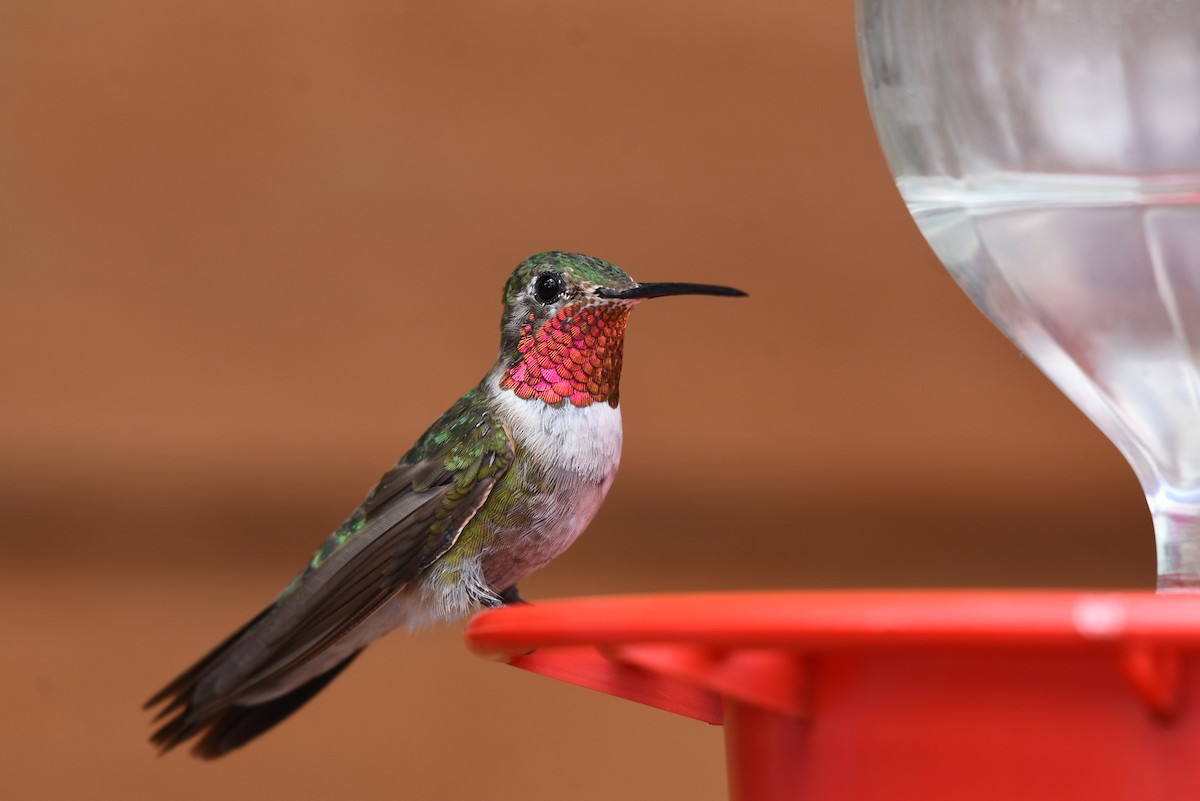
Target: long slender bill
point(643, 291)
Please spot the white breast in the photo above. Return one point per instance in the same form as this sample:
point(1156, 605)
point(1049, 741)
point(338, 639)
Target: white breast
point(582, 441)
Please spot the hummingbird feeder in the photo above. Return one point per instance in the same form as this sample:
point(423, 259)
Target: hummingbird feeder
point(889, 696)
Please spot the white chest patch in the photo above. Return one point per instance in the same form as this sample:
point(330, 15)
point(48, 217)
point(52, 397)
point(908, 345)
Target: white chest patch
point(584, 441)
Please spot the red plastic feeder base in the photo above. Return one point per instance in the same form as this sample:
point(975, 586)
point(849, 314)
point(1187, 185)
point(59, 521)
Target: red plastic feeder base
point(898, 695)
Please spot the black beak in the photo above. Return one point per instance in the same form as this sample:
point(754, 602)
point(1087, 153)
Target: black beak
point(643, 291)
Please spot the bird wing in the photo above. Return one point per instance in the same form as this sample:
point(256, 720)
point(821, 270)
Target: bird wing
point(411, 518)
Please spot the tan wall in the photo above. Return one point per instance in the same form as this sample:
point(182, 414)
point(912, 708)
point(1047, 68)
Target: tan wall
point(249, 250)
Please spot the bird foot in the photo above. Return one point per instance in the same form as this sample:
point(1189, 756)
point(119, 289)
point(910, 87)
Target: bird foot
point(511, 597)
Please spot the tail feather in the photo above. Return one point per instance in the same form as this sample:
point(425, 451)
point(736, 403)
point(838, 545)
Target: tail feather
point(225, 726)
point(238, 725)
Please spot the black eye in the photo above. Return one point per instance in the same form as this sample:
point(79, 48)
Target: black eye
point(548, 287)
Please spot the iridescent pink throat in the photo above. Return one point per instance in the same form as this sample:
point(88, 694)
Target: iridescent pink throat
point(575, 357)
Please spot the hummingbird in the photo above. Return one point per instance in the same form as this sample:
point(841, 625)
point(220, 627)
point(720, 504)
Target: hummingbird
point(498, 486)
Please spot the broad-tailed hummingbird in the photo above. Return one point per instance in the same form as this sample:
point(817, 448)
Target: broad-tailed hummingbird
point(501, 484)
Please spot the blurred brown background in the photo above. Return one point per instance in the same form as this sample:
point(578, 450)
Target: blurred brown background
point(250, 249)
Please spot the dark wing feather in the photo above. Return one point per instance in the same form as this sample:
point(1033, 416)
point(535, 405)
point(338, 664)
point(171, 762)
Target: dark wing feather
point(238, 725)
point(412, 517)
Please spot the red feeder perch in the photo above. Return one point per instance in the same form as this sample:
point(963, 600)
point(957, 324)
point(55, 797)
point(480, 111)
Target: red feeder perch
point(898, 695)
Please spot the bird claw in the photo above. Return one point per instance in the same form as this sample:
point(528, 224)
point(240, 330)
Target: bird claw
point(512, 597)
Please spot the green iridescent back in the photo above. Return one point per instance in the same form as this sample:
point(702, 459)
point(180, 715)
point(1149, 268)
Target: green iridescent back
point(466, 443)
